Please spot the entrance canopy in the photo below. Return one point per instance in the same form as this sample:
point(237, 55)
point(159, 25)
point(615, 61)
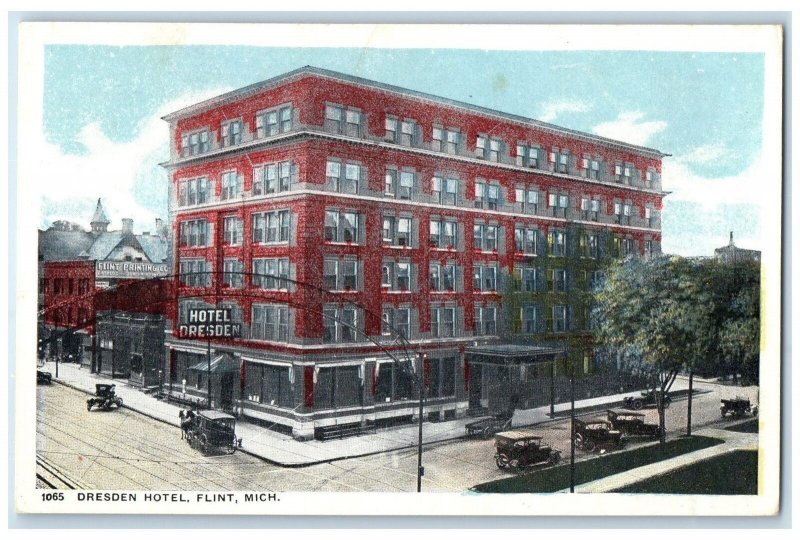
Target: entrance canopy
point(505, 354)
point(223, 363)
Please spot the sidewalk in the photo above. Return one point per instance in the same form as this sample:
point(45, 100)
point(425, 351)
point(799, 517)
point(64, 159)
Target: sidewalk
point(733, 441)
point(284, 450)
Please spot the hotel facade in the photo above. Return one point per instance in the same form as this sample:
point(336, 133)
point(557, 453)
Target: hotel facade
point(352, 226)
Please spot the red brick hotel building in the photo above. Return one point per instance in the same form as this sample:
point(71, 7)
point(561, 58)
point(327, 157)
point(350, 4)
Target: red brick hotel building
point(453, 225)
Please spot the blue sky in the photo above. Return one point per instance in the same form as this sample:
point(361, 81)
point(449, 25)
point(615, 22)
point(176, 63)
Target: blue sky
point(102, 135)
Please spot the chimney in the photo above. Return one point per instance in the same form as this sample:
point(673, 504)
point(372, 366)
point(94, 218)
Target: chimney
point(731, 238)
point(160, 227)
point(127, 225)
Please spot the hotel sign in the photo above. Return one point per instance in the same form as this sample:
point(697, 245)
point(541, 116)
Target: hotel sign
point(130, 270)
point(208, 323)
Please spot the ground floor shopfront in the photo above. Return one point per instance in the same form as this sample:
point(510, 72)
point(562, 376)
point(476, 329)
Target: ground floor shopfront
point(309, 394)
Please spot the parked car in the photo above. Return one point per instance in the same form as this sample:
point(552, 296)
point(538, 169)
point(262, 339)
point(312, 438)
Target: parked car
point(105, 398)
point(213, 430)
point(632, 424)
point(519, 449)
point(43, 377)
point(737, 407)
point(646, 399)
point(486, 427)
point(593, 434)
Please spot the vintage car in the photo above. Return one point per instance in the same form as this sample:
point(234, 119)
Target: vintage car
point(211, 431)
point(737, 407)
point(105, 398)
point(519, 448)
point(43, 377)
point(486, 427)
point(632, 424)
point(593, 434)
point(646, 399)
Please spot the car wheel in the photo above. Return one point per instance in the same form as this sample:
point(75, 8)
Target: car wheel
point(89, 405)
point(667, 402)
point(501, 460)
point(204, 443)
point(589, 445)
point(514, 464)
point(579, 442)
point(722, 413)
point(487, 433)
point(555, 457)
point(637, 404)
point(119, 403)
point(755, 411)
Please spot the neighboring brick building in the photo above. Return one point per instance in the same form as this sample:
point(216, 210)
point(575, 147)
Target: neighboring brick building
point(457, 225)
point(74, 265)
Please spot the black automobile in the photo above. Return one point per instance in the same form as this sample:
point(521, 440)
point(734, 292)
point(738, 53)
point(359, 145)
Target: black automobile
point(212, 431)
point(632, 424)
point(737, 407)
point(105, 397)
point(486, 427)
point(591, 435)
point(646, 399)
point(519, 449)
point(44, 377)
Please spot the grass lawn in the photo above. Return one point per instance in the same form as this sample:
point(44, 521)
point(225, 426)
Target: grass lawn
point(735, 473)
point(557, 478)
point(751, 426)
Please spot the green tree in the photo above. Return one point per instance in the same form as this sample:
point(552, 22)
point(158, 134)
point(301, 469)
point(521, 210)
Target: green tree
point(657, 311)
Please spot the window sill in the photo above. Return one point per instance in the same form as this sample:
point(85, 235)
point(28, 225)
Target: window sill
point(332, 243)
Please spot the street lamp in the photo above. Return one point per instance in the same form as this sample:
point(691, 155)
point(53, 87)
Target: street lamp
point(421, 393)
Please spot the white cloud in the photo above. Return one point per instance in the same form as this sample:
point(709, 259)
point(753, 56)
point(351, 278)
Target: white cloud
point(551, 111)
point(706, 229)
point(629, 127)
point(706, 153)
point(71, 183)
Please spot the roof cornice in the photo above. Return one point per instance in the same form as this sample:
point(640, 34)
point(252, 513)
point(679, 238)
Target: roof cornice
point(404, 92)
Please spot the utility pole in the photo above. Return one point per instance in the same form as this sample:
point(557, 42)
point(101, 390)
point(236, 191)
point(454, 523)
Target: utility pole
point(209, 373)
point(421, 392)
point(689, 406)
point(572, 431)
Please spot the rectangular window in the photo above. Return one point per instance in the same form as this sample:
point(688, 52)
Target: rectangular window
point(559, 318)
point(480, 147)
point(445, 190)
point(530, 318)
point(396, 276)
point(404, 231)
point(230, 185)
point(442, 234)
point(340, 324)
point(272, 178)
point(232, 273)
point(527, 156)
point(353, 123)
point(557, 280)
point(408, 130)
point(557, 243)
point(484, 278)
point(391, 129)
point(270, 323)
point(526, 240)
point(231, 133)
point(232, 231)
point(271, 274)
point(271, 227)
point(342, 226)
point(193, 191)
point(485, 237)
point(195, 143)
point(485, 321)
point(193, 273)
point(443, 322)
point(333, 118)
point(406, 185)
point(396, 321)
point(397, 231)
point(340, 275)
point(194, 233)
point(480, 194)
point(492, 197)
point(273, 122)
point(352, 178)
point(648, 247)
point(530, 279)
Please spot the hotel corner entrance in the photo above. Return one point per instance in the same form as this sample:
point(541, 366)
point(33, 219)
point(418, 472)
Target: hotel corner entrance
point(505, 376)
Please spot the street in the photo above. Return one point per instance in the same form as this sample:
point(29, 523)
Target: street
point(122, 449)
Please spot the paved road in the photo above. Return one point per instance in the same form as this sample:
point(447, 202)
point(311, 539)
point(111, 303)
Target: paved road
point(125, 450)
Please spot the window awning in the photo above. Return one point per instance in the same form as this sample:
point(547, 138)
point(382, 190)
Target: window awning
point(222, 363)
point(511, 353)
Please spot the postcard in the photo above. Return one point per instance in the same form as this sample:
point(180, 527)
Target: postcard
point(471, 270)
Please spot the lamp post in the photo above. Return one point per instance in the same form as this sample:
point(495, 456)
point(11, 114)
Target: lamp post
point(572, 430)
point(160, 383)
point(421, 392)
